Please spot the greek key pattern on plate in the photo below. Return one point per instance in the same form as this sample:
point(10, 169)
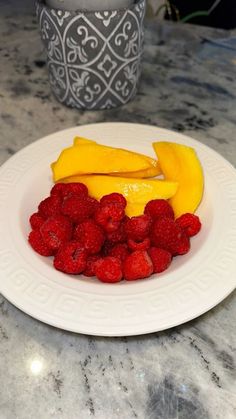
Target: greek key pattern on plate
point(94, 58)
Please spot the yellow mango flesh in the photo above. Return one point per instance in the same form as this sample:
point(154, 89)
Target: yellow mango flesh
point(180, 163)
point(94, 158)
point(140, 174)
point(133, 210)
point(82, 140)
point(136, 191)
point(153, 171)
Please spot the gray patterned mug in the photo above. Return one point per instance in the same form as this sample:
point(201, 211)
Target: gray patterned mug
point(93, 58)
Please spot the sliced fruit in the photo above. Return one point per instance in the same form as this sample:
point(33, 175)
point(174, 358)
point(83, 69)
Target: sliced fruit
point(94, 158)
point(140, 174)
point(82, 140)
point(153, 171)
point(134, 209)
point(135, 190)
point(180, 163)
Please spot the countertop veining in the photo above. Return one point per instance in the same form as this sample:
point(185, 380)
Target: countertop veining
point(188, 85)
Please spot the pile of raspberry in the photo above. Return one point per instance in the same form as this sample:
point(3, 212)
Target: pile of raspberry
point(94, 238)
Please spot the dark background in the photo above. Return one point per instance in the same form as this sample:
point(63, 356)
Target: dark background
point(223, 16)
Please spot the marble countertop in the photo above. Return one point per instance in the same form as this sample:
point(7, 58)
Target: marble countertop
point(188, 85)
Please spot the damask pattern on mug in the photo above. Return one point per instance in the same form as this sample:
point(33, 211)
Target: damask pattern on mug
point(94, 58)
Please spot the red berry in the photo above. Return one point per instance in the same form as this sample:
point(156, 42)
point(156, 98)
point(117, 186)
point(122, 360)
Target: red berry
point(58, 189)
point(159, 208)
point(36, 241)
point(56, 230)
point(93, 205)
point(109, 216)
point(68, 189)
point(90, 265)
point(114, 198)
point(76, 189)
point(108, 269)
point(138, 265)
point(71, 258)
point(36, 221)
point(190, 223)
point(106, 248)
point(183, 246)
point(90, 235)
point(50, 206)
point(78, 209)
point(141, 245)
point(161, 259)
point(137, 228)
point(167, 235)
point(119, 251)
point(117, 236)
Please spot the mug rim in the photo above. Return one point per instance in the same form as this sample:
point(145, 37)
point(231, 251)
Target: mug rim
point(42, 4)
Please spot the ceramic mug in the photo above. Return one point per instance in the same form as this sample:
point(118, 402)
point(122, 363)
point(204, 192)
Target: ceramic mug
point(88, 4)
point(93, 58)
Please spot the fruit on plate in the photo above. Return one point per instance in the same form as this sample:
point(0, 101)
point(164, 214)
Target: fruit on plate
point(141, 174)
point(84, 236)
point(134, 209)
point(135, 190)
point(95, 158)
point(152, 171)
point(82, 140)
point(180, 163)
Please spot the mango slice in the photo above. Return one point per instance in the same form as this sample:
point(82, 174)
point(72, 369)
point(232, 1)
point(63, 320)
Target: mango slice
point(82, 140)
point(153, 171)
point(95, 158)
point(180, 163)
point(140, 174)
point(135, 190)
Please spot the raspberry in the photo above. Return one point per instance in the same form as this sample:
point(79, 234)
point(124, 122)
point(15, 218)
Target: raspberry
point(56, 230)
point(119, 251)
point(161, 259)
point(90, 265)
point(142, 245)
point(108, 269)
point(114, 198)
point(68, 189)
point(36, 241)
point(183, 246)
point(36, 221)
point(71, 258)
point(76, 189)
point(159, 208)
point(167, 235)
point(190, 223)
point(137, 228)
point(93, 205)
point(138, 265)
point(90, 235)
point(117, 236)
point(109, 216)
point(78, 209)
point(50, 206)
point(58, 190)
point(106, 248)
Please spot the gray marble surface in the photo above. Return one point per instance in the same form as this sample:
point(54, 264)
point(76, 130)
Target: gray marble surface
point(188, 85)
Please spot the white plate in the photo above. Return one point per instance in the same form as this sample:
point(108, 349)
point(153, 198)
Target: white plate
point(194, 283)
